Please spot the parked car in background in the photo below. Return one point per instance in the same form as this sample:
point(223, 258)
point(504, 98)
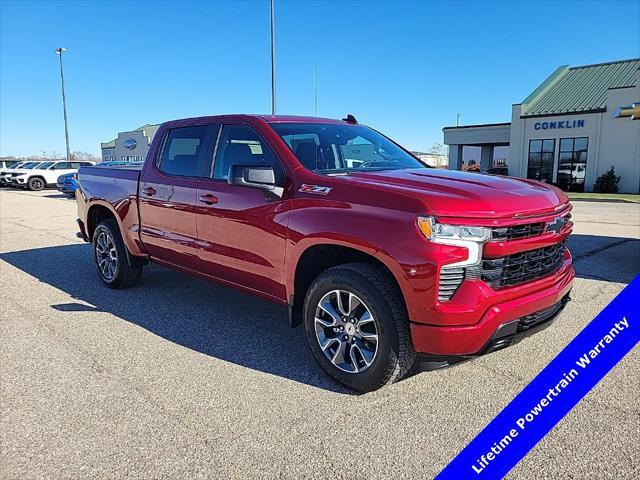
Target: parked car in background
point(8, 164)
point(499, 170)
point(45, 174)
point(7, 169)
point(68, 183)
point(7, 174)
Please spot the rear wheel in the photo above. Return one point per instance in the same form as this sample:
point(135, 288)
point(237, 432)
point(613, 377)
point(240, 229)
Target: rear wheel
point(110, 256)
point(35, 184)
point(357, 327)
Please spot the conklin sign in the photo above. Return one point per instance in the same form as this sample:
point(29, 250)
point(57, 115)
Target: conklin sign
point(559, 124)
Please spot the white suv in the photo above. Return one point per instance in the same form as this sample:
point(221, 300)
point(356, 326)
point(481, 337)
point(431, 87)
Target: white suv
point(45, 174)
point(8, 173)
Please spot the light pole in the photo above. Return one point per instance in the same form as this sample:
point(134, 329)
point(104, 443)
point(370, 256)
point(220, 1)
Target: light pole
point(60, 51)
point(273, 60)
point(315, 89)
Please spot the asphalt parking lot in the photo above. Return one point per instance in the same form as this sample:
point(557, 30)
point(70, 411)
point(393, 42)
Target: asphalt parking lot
point(180, 378)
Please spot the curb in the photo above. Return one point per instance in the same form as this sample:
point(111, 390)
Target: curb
point(603, 200)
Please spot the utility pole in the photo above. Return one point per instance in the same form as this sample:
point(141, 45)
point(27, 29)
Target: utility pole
point(315, 89)
point(273, 60)
point(60, 51)
point(458, 115)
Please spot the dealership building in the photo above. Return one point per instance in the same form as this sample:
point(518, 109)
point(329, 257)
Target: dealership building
point(130, 146)
point(575, 126)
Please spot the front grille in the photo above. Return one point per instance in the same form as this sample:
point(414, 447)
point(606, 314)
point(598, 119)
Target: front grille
point(517, 231)
point(450, 280)
point(527, 230)
point(523, 266)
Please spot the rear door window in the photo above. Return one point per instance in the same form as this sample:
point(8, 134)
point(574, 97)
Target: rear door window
point(183, 153)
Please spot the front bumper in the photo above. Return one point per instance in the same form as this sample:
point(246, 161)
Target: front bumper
point(498, 323)
point(67, 190)
point(67, 186)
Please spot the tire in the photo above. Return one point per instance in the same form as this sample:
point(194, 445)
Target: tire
point(375, 292)
point(36, 184)
point(108, 246)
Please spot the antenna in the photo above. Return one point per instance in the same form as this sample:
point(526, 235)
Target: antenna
point(350, 119)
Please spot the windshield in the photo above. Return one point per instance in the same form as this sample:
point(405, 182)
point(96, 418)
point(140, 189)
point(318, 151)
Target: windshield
point(28, 165)
point(335, 148)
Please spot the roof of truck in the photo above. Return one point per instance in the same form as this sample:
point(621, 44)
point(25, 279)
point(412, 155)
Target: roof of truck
point(265, 118)
point(297, 119)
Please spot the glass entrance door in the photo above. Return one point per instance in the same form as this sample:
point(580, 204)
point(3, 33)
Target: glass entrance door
point(572, 164)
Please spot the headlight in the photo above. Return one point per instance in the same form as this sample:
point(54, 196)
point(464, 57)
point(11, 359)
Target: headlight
point(442, 232)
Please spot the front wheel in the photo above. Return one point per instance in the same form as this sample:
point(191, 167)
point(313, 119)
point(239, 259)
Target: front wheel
point(35, 184)
point(110, 256)
point(357, 327)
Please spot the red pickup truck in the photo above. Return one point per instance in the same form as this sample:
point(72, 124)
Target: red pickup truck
point(385, 261)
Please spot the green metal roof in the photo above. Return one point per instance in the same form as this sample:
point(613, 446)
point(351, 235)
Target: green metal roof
point(146, 126)
point(580, 89)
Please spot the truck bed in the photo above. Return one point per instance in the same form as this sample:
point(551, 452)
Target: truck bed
point(113, 185)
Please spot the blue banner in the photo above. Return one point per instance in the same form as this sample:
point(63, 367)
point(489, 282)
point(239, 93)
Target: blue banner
point(555, 391)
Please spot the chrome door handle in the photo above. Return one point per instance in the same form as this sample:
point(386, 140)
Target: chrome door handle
point(208, 199)
point(149, 191)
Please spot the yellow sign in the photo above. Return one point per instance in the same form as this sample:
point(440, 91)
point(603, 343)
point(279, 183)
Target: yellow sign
point(632, 111)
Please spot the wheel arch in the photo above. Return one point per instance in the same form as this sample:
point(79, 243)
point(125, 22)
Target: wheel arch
point(99, 212)
point(319, 257)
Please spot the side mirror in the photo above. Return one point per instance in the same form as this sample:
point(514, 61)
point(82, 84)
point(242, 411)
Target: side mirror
point(255, 176)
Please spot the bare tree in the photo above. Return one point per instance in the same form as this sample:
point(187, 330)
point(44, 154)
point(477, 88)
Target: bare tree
point(82, 156)
point(437, 149)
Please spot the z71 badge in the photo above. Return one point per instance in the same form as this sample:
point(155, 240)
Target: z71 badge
point(317, 189)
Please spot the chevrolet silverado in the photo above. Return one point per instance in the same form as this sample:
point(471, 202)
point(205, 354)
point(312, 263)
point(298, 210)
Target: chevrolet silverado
point(386, 262)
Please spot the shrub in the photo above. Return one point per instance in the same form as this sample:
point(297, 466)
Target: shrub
point(607, 182)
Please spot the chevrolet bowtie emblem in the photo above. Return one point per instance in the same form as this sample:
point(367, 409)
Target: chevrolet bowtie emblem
point(556, 225)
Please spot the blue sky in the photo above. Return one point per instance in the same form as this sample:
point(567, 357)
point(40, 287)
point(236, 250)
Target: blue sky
point(405, 68)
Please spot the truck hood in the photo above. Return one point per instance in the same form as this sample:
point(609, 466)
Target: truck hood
point(460, 194)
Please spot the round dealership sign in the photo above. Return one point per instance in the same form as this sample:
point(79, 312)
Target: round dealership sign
point(130, 144)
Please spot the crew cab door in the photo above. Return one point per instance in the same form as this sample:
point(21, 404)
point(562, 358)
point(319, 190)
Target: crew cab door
point(242, 231)
point(167, 195)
